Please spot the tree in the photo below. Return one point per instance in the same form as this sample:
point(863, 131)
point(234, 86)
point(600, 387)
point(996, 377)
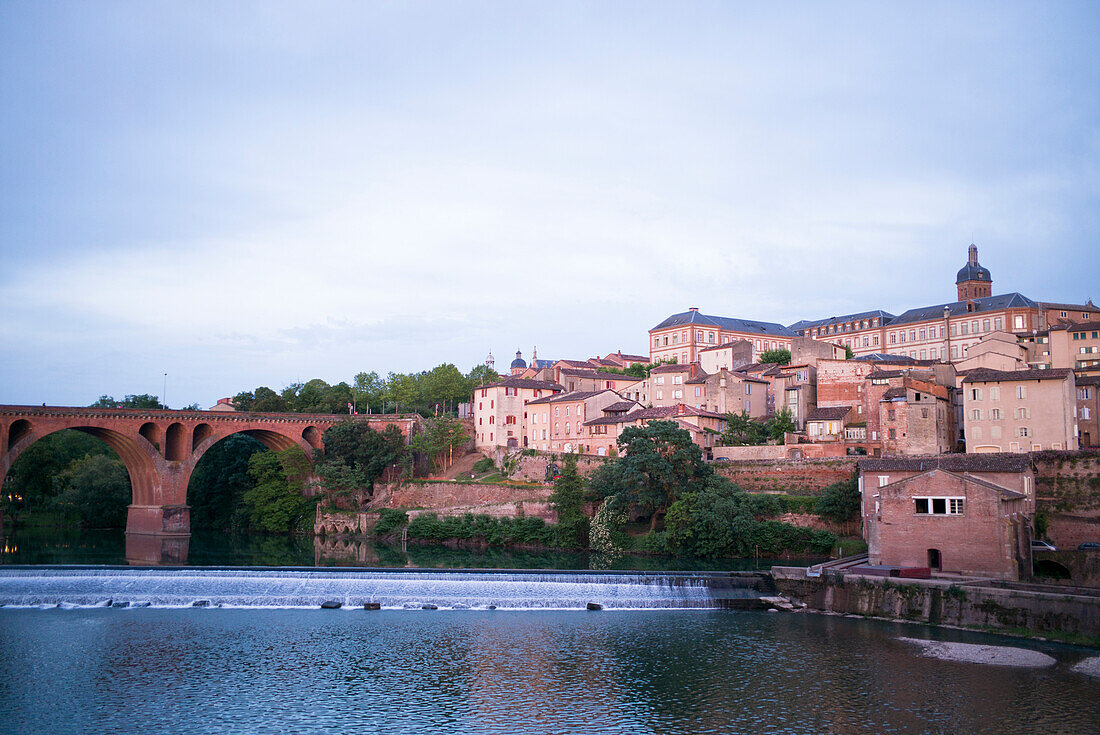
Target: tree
point(438, 440)
point(840, 501)
point(275, 502)
point(355, 457)
point(219, 482)
point(568, 501)
point(94, 490)
point(848, 353)
point(780, 424)
point(480, 375)
point(143, 401)
point(778, 357)
point(660, 462)
point(367, 391)
point(29, 486)
point(743, 430)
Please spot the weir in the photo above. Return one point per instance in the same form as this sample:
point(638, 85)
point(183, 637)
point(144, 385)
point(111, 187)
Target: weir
point(353, 588)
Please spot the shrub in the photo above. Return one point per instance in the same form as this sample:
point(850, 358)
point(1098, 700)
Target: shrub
point(483, 465)
point(389, 520)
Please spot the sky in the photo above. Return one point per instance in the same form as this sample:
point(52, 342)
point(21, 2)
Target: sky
point(197, 199)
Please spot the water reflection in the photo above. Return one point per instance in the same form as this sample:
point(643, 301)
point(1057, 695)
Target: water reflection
point(207, 548)
point(193, 671)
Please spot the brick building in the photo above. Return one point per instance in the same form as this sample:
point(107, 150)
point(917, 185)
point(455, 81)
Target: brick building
point(555, 422)
point(965, 514)
point(1088, 410)
point(682, 336)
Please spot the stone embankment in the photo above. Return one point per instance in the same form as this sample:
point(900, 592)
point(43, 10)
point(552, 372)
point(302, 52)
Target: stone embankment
point(1007, 607)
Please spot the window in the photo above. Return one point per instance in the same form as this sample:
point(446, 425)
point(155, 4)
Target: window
point(976, 414)
point(677, 379)
point(975, 394)
point(677, 394)
point(891, 415)
point(1023, 431)
point(698, 391)
point(892, 433)
point(995, 393)
point(883, 480)
point(1018, 322)
point(995, 414)
point(938, 506)
point(660, 380)
point(1021, 391)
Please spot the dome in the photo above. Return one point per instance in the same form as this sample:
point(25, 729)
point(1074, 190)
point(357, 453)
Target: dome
point(519, 362)
point(973, 270)
point(973, 273)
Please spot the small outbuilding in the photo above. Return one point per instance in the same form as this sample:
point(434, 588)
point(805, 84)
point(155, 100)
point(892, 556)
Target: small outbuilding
point(966, 514)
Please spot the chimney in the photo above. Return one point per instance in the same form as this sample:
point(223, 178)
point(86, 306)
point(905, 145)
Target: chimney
point(680, 409)
point(693, 308)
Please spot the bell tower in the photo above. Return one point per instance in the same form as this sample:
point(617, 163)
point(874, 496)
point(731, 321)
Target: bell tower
point(973, 281)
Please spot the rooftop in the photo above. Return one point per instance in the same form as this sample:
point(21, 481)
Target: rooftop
point(950, 462)
point(988, 375)
point(730, 324)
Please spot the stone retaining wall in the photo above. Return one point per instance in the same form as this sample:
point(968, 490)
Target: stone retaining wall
point(941, 602)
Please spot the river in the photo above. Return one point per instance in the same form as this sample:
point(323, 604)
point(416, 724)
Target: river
point(652, 661)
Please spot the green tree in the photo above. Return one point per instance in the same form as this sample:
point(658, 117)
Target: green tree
point(94, 491)
point(275, 502)
point(568, 501)
point(480, 375)
point(848, 353)
point(778, 357)
point(659, 463)
point(438, 439)
point(780, 424)
point(219, 482)
point(443, 388)
point(143, 401)
point(30, 487)
point(367, 390)
point(355, 457)
point(403, 391)
point(743, 430)
point(840, 501)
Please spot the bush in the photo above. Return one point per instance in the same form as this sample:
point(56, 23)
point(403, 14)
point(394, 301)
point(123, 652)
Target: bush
point(840, 501)
point(799, 504)
point(389, 520)
point(483, 465)
point(493, 531)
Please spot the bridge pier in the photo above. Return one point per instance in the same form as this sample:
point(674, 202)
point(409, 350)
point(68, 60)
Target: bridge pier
point(158, 534)
point(154, 549)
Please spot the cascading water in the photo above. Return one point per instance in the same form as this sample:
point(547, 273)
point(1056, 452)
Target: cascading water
point(354, 588)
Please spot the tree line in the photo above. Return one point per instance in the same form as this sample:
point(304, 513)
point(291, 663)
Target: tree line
point(429, 392)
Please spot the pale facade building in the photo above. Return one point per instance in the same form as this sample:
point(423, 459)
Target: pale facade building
point(681, 337)
point(1019, 411)
point(499, 410)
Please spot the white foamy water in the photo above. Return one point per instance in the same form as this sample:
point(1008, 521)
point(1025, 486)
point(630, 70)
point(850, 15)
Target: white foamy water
point(353, 588)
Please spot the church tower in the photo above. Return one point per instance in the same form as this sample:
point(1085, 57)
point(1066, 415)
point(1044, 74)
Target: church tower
point(973, 280)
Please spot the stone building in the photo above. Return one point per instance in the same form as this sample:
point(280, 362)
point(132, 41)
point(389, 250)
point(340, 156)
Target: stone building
point(499, 410)
point(915, 418)
point(1088, 411)
point(1019, 410)
point(963, 514)
point(555, 423)
point(727, 356)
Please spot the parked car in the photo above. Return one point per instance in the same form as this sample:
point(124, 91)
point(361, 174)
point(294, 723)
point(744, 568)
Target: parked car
point(1088, 546)
point(1037, 545)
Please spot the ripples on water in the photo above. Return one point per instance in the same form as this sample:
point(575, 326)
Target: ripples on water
point(201, 671)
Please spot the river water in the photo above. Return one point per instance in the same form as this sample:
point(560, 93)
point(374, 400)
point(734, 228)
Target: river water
point(260, 656)
point(207, 670)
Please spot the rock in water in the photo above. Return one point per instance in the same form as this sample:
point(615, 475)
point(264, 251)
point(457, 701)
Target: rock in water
point(372, 605)
point(593, 606)
point(429, 606)
point(201, 603)
point(331, 605)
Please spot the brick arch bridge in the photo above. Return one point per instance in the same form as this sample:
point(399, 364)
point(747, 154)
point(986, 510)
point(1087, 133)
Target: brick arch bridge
point(161, 448)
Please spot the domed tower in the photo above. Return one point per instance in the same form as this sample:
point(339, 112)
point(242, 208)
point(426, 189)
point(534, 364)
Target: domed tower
point(518, 365)
point(973, 281)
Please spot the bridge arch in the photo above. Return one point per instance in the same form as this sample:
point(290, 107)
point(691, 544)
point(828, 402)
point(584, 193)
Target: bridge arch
point(137, 456)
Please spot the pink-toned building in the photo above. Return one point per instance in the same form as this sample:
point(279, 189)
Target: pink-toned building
point(499, 410)
point(963, 514)
point(1088, 411)
point(556, 423)
point(681, 337)
point(728, 356)
point(704, 426)
point(1020, 410)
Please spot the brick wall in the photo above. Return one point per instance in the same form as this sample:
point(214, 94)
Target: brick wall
point(459, 498)
point(805, 477)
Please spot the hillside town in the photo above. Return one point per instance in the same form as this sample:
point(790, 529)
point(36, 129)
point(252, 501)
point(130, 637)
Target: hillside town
point(945, 401)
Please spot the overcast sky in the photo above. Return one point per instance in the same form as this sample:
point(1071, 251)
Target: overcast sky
point(254, 194)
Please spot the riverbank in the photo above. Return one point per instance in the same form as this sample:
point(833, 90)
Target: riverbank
point(973, 604)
